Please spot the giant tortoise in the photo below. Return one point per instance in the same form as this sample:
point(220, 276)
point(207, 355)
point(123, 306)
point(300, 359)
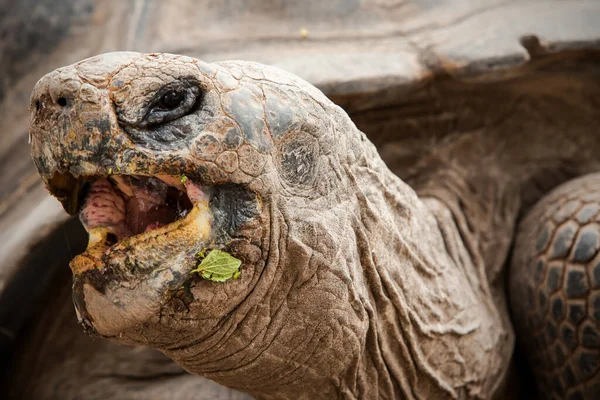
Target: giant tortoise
point(426, 225)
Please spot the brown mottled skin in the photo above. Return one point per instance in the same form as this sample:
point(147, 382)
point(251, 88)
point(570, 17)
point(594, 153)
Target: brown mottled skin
point(352, 286)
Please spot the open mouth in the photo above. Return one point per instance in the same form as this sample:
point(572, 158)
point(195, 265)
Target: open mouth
point(121, 206)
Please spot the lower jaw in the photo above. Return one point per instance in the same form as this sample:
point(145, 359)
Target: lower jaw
point(117, 288)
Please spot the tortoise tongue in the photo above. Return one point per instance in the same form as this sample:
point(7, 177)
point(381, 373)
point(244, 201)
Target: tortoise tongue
point(104, 207)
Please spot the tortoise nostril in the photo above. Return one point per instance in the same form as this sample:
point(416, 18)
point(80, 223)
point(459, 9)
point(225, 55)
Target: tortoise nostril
point(62, 101)
point(37, 105)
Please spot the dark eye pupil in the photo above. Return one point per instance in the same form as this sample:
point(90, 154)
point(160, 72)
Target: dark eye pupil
point(171, 99)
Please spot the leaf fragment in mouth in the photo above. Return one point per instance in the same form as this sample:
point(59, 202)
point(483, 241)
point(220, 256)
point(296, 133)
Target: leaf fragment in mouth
point(218, 266)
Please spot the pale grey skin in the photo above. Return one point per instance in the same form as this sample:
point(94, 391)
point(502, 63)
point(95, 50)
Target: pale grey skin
point(353, 286)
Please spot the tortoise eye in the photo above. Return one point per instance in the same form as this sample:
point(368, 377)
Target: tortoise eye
point(170, 102)
point(172, 99)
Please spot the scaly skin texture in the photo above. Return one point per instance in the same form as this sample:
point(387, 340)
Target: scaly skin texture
point(352, 286)
point(555, 289)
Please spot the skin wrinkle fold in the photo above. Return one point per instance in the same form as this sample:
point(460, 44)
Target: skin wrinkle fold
point(338, 261)
point(241, 350)
point(400, 281)
point(272, 257)
point(451, 236)
point(376, 292)
point(466, 233)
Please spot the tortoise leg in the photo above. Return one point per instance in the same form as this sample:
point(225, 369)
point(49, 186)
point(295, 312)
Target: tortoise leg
point(555, 290)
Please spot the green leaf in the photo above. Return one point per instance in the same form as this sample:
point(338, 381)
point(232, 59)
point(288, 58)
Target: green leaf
point(218, 266)
point(184, 179)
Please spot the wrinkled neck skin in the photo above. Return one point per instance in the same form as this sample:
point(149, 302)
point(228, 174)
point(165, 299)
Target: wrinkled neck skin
point(415, 306)
point(373, 310)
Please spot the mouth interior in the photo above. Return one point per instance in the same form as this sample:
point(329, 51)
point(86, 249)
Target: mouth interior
point(127, 205)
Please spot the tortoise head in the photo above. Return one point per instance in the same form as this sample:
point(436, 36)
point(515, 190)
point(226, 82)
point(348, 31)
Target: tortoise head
point(166, 158)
